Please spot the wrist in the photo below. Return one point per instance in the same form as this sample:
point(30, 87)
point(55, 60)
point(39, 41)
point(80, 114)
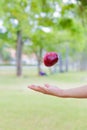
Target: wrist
point(63, 93)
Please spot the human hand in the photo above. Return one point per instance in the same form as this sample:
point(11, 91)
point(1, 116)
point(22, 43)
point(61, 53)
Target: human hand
point(47, 89)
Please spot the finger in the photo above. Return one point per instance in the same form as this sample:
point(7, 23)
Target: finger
point(37, 88)
point(47, 85)
point(45, 89)
point(31, 86)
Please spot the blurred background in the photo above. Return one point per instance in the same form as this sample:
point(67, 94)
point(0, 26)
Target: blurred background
point(29, 29)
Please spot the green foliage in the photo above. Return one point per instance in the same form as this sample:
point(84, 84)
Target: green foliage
point(6, 55)
point(15, 16)
point(66, 23)
point(83, 2)
point(68, 9)
point(31, 16)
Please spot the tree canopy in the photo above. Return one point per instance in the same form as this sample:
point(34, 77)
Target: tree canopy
point(48, 25)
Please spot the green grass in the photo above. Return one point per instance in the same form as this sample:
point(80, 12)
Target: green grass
point(23, 109)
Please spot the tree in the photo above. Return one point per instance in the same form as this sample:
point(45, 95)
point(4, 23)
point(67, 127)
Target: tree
point(15, 20)
point(42, 42)
point(30, 19)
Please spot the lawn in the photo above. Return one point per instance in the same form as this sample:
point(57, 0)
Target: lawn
point(24, 109)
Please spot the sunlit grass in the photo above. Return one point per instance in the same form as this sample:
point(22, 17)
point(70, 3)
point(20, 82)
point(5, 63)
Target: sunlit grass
point(23, 109)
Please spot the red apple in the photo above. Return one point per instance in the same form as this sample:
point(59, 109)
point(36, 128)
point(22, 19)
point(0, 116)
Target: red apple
point(50, 59)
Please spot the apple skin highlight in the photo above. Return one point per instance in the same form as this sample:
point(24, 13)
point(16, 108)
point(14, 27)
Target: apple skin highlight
point(50, 59)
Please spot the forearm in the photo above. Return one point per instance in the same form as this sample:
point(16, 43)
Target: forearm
point(79, 92)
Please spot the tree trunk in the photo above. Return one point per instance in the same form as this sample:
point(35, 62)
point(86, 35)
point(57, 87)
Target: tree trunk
point(19, 53)
point(39, 60)
point(39, 68)
point(1, 59)
point(67, 59)
point(60, 63)
point(83, 61)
